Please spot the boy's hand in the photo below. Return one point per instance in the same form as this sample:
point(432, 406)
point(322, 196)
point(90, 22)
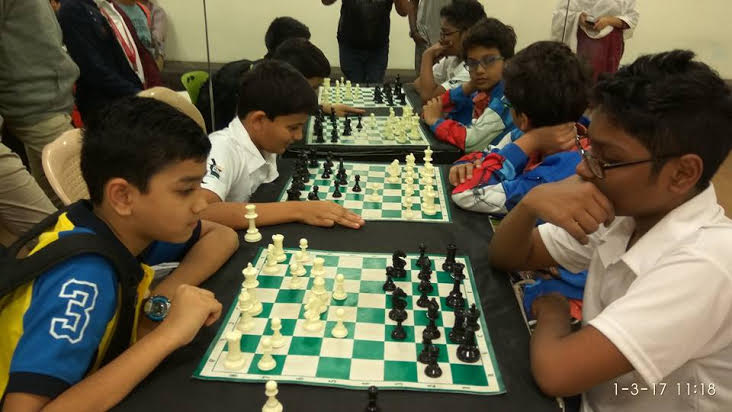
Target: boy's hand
point(602, 22)
point(322, 213)
point(573, 204)
point(549, 139)
point(191, 309)
point(342, 109)
point(432, 111)
point(459, 173)
point(436, 52)
point(583, 21)
point(550, 304)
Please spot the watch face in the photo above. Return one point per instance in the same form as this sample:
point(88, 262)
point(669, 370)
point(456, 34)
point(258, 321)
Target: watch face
point(156, 308)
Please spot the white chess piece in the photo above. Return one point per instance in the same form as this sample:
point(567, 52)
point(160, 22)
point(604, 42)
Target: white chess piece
point(278, 340)
point(312, 315)
point(318, 269)
point(339, 290)
point(319, 292)
point(278, 248)
point(250, 276)
point(394, 172)
point(374, 196)
point(266, 362)
point(428, 207)
point(245, 323)
point(339, 330)
point(270, 267)
point(256, 304)
point(306, 258)
point(234, 358)
point(253, 234)
point(272, 404)
point(408, 214)
point(296, 271)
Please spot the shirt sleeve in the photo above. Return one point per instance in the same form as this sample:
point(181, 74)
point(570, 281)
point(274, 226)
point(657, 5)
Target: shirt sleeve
point(460, 76)
point(565, 249)
point(680, 310)
point(63, 326)
point(221, 169)
point(439, 71)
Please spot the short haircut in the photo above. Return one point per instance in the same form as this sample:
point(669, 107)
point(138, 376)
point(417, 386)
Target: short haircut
point(277, 89)
point(281, 29)
point(306, 57)
point(463, 14)
point(548, 83)
point(134, 138)
point(673, 105)
point(489, 33)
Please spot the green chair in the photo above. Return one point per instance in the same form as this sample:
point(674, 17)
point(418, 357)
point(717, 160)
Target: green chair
point(193, 81)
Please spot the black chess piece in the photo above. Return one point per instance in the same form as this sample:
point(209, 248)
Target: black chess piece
point(359, 126)
point(424, 356)
point(326, 172)
point(293, 194)
point(468, 351)
point(457, 334)
point(332, 114)
point(422, 254)
point(450, 260)
point(425, 286)
point(397, 260)
point(455, 297)
point(398, 304)
point(425, 273)
point(373, 394)
point(472, 316)
point(313, 159)
point(337, 190)
point(334, 135)
point(431, 330)
point(314, 194)
point(424, 300)
point(389, 285)
point(356, 187)
point(329, 159)
point(433, 369)
point(402, 99)
point(399, 333)
point(390, 100)
point(347, 126)
point(457, 271)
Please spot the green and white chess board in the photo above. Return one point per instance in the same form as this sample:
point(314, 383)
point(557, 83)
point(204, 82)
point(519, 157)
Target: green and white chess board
point(368, 355)
point(391, 195)
point(361, 97)
point(374, 132)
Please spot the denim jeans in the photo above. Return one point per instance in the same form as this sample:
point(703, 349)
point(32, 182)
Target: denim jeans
point(363, 66)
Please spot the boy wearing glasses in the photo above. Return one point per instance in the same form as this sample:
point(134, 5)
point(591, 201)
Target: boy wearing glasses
point(476, 114)
point(442, 66)
point(657, 312)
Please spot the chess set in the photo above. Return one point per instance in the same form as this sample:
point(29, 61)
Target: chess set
point(375, 191)
point(355, 320)
point(391, 94)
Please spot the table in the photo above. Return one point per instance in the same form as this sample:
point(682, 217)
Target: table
point(170, 386)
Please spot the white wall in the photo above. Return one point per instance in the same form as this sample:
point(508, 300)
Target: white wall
point(236, 28)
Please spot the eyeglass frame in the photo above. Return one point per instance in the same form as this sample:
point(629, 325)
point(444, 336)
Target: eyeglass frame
point(494, 59)
point(598, 167)
point(444, 35)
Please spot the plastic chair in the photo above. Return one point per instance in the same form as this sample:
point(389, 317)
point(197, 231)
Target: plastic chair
point(193, 81)
point(61, 161)
point(176, 100)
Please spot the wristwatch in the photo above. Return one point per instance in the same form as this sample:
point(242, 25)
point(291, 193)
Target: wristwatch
point(156, 307)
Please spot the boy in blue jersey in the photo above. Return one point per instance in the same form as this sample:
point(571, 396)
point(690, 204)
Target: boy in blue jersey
point(65, 336)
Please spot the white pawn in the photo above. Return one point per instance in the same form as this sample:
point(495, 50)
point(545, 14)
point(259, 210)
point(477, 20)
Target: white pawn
point(277, 339)
point(296, 270)
point(339, 291)
point(408, 214)
point(253, 234)
point(245, 323)
point(318, 269)
point(278, 249)
point(267, 362)
point(306, 258)
point(270, 268)
point(339, 330)
point(250, 277)
point(272, 404)
point(428, 207)
point(256, 304)
point(234, 359)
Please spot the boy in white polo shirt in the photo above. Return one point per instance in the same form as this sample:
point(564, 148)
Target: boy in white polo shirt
point(658, 300)
point(274, 103)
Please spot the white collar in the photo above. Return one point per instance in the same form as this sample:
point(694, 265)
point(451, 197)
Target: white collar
point(257, 157)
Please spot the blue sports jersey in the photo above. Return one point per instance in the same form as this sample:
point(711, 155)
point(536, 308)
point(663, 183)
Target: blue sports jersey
point(56, 328)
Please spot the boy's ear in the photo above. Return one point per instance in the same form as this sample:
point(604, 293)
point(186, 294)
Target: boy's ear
point(685, 173)
point(120, 195)
point(256, 118)
point(521, 121)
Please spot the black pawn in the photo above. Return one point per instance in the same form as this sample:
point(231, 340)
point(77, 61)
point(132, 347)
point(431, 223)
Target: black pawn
point(468, 351)
point(424, 300)
point(425, 273)
point(455, 298)
point(326, 172)
point(389, 285)
point(337, 190)
point(450, 260)
point(356, 187)
point(313, 160)
point(424, 356)
point(402, 99)
point(334, 135)
point(359, 126)
point(422, 255)
point(314, 194)
point(329, 159)
point(433, 369)
point(472, 316)
point(399, 333)
point(425, 286)
point(373, 394)
point(293, 194)
point(457, 334)
point(332, 115)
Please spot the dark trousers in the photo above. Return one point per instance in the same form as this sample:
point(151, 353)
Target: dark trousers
point(363, 66)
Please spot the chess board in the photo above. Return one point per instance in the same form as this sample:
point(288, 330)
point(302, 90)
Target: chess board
point(363, 100)
point(368, 137)
point(391, 194)
point(368, 355)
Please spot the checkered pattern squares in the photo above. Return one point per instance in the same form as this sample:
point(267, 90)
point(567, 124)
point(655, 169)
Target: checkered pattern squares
point(369, 135)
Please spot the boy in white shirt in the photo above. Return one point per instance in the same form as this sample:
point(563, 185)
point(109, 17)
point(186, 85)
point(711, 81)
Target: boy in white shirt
point(442, 66)
point(657, 333)
point(274, 103)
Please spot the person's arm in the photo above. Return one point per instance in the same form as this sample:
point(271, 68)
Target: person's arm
point(413, 30)
point(342, 109)
point(402, 7)
point(192, 309)
point(316, 213)
point(428, 87)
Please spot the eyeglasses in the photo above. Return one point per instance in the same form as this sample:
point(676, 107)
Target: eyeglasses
point(445, 34)
point(598, 167)
point(485, 61)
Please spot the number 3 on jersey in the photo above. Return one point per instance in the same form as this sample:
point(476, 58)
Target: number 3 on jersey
point(80, 297)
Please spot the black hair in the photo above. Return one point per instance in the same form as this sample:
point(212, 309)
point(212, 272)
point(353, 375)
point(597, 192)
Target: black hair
point(134, 138)
point(463, 14)
point(673, 105)
point(277, 89)
point(281, 29)
point(491, 32)
point(306, 57)
point(548, 83)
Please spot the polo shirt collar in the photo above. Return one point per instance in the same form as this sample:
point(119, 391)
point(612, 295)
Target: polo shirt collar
point(256, 158)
